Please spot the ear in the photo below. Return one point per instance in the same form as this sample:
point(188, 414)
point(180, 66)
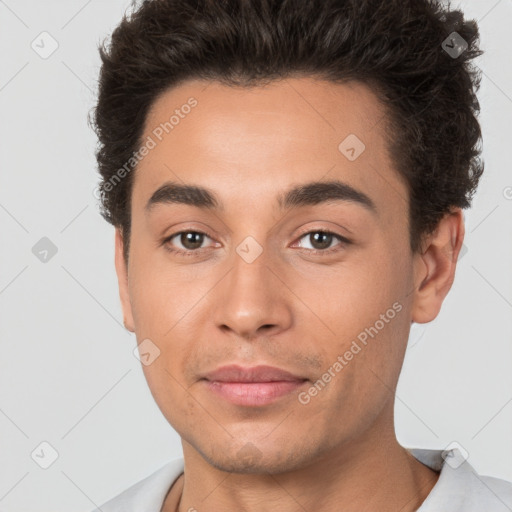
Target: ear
point(434, 267)
point(122, 279)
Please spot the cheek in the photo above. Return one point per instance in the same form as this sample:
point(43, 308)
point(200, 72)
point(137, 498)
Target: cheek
point(358, 377)
point(171, 394)
point(346, 298)
point(361, 312)
point(161, 297)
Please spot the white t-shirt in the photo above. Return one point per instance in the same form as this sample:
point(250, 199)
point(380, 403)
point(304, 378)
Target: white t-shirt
point(458, 489)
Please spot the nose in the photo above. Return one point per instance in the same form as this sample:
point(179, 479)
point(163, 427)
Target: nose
point(252, 299)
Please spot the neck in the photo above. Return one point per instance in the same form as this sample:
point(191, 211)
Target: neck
point(370, 473)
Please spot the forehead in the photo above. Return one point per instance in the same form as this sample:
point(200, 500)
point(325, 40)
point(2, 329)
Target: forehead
point(254, 142)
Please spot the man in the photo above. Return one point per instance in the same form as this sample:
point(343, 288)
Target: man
point(287, 180)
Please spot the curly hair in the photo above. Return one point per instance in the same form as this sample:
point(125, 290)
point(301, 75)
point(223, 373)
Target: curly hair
point(399, 47)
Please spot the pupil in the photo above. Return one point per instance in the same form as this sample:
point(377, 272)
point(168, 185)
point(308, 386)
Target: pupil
point(187, 239)
point(325, 244)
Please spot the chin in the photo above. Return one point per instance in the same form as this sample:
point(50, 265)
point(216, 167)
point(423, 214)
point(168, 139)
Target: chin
point(249, 459)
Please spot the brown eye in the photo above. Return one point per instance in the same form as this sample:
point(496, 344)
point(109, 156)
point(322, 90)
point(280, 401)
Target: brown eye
point(186, 242)
point(191, 240)
point(321, 241)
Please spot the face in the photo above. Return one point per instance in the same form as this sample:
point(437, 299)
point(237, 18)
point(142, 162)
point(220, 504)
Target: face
point(319, 283)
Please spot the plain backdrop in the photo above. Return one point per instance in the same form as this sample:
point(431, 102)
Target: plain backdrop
point(68, 376)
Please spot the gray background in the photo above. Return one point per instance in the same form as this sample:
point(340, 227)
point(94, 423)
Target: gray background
point(68, 376)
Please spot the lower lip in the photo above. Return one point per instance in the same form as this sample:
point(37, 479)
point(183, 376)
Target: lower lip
point(253, 393)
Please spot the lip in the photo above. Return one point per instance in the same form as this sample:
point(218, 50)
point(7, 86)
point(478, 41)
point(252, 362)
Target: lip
point(252, 386)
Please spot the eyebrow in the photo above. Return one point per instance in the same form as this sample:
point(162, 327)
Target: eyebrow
point(306, 194)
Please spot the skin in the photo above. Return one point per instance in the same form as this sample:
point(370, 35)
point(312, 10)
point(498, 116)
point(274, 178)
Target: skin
point(288, 308)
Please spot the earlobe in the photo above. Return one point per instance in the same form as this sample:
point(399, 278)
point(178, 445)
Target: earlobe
point(122, 279)
point(434, 268)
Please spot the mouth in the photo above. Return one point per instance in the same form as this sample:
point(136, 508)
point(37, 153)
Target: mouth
point(252, 386)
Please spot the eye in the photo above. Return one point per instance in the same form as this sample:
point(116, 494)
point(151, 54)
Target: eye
point(321, 241)
point(191, 242)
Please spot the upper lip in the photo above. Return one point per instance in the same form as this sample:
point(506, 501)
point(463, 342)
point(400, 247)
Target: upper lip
point(262, 373)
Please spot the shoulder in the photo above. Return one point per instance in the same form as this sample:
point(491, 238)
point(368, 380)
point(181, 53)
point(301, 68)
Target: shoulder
point(148, 494)
point(460, 488)
point(489, 493)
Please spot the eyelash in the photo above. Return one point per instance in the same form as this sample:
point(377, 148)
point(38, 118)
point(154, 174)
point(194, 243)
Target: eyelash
point(320, 252)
